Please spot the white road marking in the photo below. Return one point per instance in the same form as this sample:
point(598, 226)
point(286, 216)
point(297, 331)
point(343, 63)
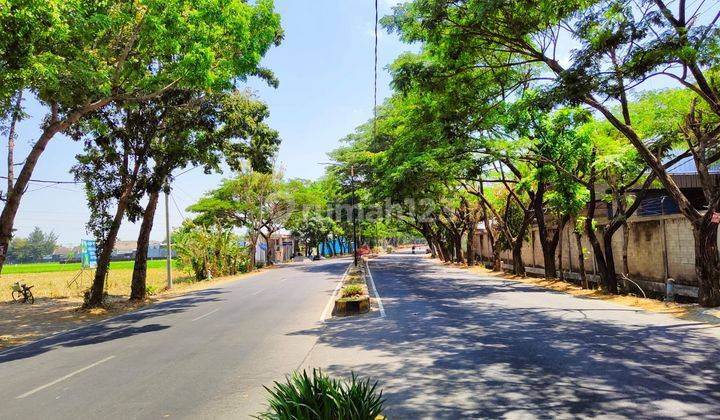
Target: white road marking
point(257, 293)
point(324, 314)
point(203, 316)
point(374, 290)
point(69, 375)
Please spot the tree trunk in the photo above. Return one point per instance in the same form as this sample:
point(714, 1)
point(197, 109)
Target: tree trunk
point(611, 282)
point(7, 217)
point(561, 275)
point(268, 249)
point(103, 264)
point(545, 243)
point(707, 263)
point(626, 233)
point(581, 261)
point(518, 265)
point(11, 142)
point(494, 251)
point(253, 247)
point(138, 286)
point(457, 242)
point(497, 261)
point(470, 247)
point(599, 260)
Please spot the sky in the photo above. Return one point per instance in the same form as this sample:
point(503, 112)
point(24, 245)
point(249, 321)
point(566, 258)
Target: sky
point(325, 68)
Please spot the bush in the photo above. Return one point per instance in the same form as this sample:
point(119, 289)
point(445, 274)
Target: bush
point(323, 398)
point(151, 290)
point(209, 251)
point(352, 290)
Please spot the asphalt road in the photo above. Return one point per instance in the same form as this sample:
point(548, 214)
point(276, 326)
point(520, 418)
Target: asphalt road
point(449, 344)
point(453, 345)
point(205, 355)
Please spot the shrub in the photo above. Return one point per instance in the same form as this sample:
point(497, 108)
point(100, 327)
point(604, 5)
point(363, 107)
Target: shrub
point(352, 290)
point(209, 251)
point(151, 290)
point(324, 398)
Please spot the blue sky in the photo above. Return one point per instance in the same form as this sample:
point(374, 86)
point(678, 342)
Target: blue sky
point(325, 67)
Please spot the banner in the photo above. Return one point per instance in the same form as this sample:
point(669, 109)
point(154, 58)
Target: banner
point(89, 253)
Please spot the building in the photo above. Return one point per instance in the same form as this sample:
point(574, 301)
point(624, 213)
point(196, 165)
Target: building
point(281, 246)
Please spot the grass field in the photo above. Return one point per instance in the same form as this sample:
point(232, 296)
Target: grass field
point(54, 267)
point(54, 280)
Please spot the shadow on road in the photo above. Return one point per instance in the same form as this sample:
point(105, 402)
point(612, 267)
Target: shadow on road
point(452, 346)
point(115, 328)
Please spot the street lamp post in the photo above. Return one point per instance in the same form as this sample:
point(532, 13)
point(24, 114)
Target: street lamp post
point(354, 219)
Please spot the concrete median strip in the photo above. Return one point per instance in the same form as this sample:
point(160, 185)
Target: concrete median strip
point(68, 376)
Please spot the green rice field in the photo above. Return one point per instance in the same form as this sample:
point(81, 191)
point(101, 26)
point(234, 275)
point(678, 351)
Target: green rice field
point(54, 267)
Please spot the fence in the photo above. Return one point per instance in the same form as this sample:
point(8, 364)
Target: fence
point(659, 247)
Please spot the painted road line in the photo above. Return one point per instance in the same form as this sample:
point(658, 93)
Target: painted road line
point(374, 290)
point(203, 316)
point(69, 375)
point(257, 293)
point(331, 301)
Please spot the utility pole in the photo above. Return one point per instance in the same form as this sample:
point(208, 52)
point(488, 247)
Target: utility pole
point(354, 219)
point(167, 234)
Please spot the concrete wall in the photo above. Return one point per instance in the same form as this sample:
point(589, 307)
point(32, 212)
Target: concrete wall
point(645, 249)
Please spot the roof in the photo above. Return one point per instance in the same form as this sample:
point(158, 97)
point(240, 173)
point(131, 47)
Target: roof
point(686, 166)
point(125, 246)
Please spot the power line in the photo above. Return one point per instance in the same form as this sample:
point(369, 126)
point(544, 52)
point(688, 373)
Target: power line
point(45, 181)
point(186, 171)
point(376, 74)
point(177, 207)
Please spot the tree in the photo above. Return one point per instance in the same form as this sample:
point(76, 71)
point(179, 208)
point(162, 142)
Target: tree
point(313, 230)
point(144, 143)
point(202, 130)
point(251, 200)
point(621, 46)
point(83, 57)
point(37, 245)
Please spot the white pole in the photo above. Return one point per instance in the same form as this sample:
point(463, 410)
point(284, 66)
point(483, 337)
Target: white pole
point(169, 242)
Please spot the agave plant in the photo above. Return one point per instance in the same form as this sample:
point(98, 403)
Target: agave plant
point(318, 396)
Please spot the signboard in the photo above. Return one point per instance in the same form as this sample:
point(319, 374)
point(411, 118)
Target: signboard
point(89, 253)
point(263, 246)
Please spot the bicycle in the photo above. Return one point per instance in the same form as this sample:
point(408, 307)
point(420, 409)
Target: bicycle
point(22, 293)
